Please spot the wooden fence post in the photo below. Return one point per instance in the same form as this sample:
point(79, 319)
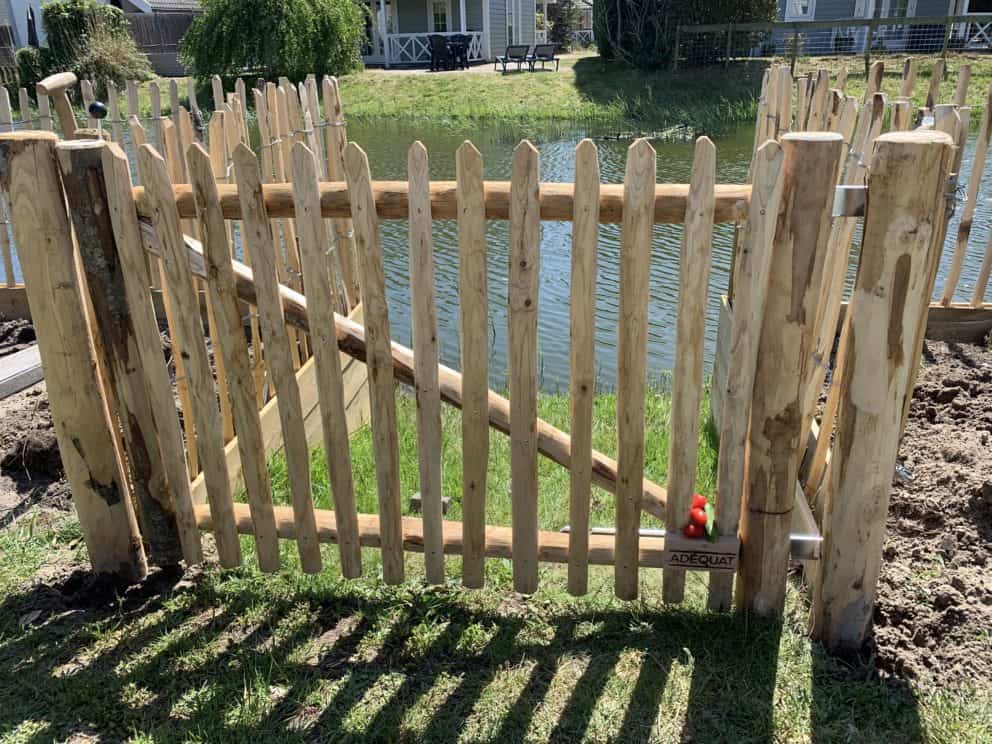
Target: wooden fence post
point(80, 415)
point(785, 365)
point(906, 184)
point(81, 165)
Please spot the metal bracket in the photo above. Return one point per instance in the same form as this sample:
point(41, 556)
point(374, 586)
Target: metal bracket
point(849, 201)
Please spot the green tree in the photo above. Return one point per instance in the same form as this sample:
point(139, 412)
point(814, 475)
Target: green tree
point(273, 38)
point(88, 38)
point(564, 17)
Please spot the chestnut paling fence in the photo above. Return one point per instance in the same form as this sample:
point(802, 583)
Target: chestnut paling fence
point(95, 242)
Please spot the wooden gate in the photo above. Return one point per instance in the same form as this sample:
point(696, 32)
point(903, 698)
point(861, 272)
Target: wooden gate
point(787, 213)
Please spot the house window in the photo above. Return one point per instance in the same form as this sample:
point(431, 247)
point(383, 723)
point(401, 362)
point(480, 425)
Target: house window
point(799, 10)
point(439, 15)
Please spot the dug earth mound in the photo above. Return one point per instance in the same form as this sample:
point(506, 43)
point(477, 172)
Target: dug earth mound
point(935, 592)
point(934, 606)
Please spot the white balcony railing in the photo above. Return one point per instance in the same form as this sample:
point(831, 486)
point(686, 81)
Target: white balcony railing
point(409, 49)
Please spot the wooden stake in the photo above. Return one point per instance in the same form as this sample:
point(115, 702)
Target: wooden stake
point(582, 350)
point(890, 299)
point(257, 236)
point(473, 295)
point(230, 340)
point(753, 268)
point(425, 356)
point(333, 414)
point(381, 386)
point(524, 283)
point(635, 260)
point(687, 376)
point(785, 365)
point(80, 416)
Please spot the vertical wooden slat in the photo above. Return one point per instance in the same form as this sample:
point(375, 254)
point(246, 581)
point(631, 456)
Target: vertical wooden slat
point(785, 365)
point(523, 290)
point(873, 84)
point(5, 248)
point(982, 283)
point(95, 473)
point(582, 372)
point(473, 296)
point(820, 103)
point(687, 376)
point(114, 111)
point(752, 269)
point(6, 116)
point(182, 292)
point(802, 110)
point(217, 88)
point(635, 262)
point(174, 102)
point(44, 112)
point(158, 125)
point(131, 89)
point(890, 300)
point(936, 78)
point(425, 357)
point(336, 140)
point(961, 92)
point(86, 90)
point(321, 304)
point(783, 101)
point(194, 105)
point(385, 438)
point(901, 116)
point(230, 340)
point(908, 80)
point(971, 201)
point(257, 237)
point(840, 82)
point(140, 313)
point(24, 107)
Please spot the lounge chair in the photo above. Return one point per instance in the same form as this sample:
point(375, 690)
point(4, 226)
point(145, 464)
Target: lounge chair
point(543, 53)
point(440, 54)
point(514, 53)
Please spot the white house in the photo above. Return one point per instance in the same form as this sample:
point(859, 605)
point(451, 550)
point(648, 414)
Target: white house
point(399, 29)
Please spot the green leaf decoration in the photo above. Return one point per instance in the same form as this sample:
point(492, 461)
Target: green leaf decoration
point(710, 522)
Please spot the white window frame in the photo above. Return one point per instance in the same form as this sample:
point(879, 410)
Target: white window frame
point(430, 15)
point(808, 16)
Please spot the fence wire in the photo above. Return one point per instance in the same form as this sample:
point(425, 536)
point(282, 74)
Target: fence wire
point(698, 46)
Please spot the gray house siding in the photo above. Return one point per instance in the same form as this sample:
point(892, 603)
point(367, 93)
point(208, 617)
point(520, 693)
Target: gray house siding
point(931, 8)
point(527, 20)
point(497, 26)
point(473, 15)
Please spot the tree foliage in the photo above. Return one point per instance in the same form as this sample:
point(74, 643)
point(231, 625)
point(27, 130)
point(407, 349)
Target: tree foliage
point(273, 38)
point(564, 17)
point(88, 38)
point(642, 32)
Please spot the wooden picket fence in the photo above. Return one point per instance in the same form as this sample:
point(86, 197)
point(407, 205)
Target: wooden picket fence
point(284, 211)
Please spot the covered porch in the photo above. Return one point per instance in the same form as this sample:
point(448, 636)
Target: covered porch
point(399, 31)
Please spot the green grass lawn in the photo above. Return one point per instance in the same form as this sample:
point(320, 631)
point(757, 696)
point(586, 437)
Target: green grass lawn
point(240, 656)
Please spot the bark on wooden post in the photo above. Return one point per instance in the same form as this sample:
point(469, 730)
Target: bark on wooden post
point(903, 228)
point(785, 364)
point(82, 421)
point(81, 165)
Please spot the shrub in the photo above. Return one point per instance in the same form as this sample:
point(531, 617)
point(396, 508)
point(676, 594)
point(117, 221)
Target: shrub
point(273, 38)
point(564, 17)
point(642, 32)
point(87, 38)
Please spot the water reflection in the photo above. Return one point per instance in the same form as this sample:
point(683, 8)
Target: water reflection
point(386, 144)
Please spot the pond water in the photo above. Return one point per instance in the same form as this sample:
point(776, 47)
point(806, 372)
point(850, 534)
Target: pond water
point(386, 142)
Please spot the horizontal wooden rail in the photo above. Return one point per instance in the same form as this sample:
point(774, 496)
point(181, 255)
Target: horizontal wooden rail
point(552, 547)
point(552, 442)
point(391, 201)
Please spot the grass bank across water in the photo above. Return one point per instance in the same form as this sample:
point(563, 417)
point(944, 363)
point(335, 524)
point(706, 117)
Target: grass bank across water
point(586, 88)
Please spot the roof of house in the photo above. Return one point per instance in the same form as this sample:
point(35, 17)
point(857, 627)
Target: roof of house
point(173, 6)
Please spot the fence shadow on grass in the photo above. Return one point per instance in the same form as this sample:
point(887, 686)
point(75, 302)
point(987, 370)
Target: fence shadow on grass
point(230, 658)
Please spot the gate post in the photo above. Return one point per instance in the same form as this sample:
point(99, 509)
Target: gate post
point(785, 365)
point(129, 346)
point(903, 233)
point(80, 414)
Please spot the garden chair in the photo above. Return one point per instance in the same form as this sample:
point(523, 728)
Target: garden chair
point(440, 54)
point(514, 53)
point(458, 47)
point(543, 53)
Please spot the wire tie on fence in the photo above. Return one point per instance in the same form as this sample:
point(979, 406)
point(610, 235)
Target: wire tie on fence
point(330, 124)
